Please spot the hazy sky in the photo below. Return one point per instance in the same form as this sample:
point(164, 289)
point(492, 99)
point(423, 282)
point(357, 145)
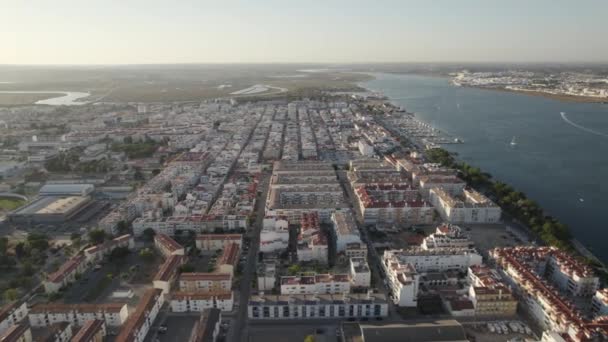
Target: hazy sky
point(332, 31)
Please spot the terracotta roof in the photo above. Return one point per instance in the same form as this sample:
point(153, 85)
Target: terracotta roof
point(137, 318)
point(88, 330)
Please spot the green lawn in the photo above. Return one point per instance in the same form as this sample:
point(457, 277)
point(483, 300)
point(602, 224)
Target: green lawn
point(10, 203)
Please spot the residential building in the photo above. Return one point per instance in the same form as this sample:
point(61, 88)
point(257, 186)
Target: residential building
point(403, 280)
point(207, 328)
point(345, 230)
point(437, 259)
point(267, 276)
point(312, 242)
point(215, 242)
point(138, 325)
point(469, 206)
point(12, 314)
point(312, 283)
point(205, 282)
point(274, 235)
point(446, 236)
point(198, 301)
point(17, 333)
point(91, 331)
point(322, 306)
point(65, 274)
point(360, 274)
point(96, 253)
point(44, 315)
point(167, 246)
point(168, 272)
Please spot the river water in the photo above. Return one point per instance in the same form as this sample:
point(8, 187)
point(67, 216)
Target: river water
point(561, 154)
point(63, 98)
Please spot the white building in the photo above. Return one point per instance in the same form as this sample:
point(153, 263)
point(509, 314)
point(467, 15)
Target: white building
point(274, 235)
point(96, 253)
point(315, 283)
point(599, 303)
point(345, 230)
point(446, 236)
point(360, 274)
point(199, 301)
point(139, 323)
point(365, 149)
point(215, 242)
point(12, 314)
point(65, 274)
point(44, 315)
point(402, 278)
point(437, 259)
point(267, 276)
point(468, 207)
point(322, 306)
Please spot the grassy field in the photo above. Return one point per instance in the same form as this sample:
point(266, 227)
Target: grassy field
point(22, 99)
point(166, 83)
point(9, 204)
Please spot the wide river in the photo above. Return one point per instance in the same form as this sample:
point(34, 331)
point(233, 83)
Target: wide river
point(559, 160)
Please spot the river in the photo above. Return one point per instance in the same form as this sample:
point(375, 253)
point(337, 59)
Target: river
point(561, 154)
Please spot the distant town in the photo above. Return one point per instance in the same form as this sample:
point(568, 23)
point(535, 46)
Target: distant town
point(329, 217)
point(565, 84)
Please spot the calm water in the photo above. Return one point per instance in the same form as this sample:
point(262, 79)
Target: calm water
point(66, 98)
point(560, 162)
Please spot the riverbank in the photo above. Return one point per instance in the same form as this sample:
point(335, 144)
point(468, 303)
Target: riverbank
point(565, 98)
point(560, 175)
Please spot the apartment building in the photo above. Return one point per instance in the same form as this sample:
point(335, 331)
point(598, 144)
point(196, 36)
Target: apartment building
point(446, 236)
point(168, 272)
point(205, 282)
point(525, 268)
point(91, 331)
point(215, 242)
point(139, 323)
point(12, 314)
point(437, 259)
point(182, 301)
point(17, 333)
point(207, 327)
point(274, 235)
point(96, 253)
point(360, 274)
point(402, 278)
point(315, 283)
point(167, 246)
point(378, 207)
point(312, 244)
point(469, 206)
point(322, 306)
point(44, 315)
point(66, 273)
point(344, 230)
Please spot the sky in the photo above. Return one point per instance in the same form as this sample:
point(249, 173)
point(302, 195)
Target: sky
point(301, 31)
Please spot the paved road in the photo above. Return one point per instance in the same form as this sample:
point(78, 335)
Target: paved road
point(237, 332)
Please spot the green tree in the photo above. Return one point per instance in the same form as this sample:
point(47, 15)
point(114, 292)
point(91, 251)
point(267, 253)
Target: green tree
point(310, 338)
point(149, 234)
point(11, 295)
point(147, 255)
point(97, 236)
